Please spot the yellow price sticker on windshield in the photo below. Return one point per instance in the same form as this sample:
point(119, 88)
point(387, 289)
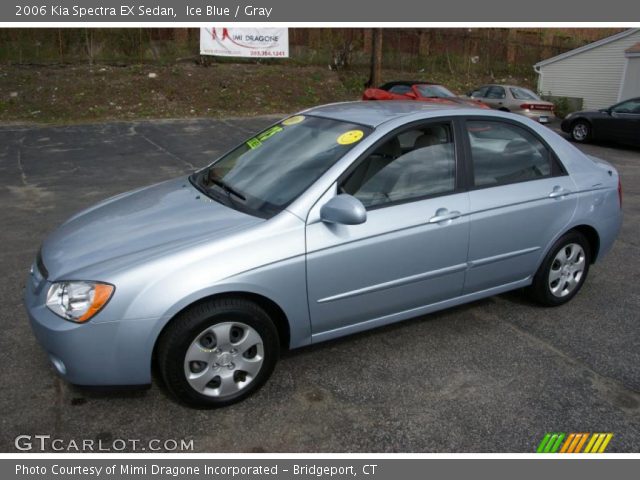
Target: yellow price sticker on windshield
point(352, 136)
point(293, 120)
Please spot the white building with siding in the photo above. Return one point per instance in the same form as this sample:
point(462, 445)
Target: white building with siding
point(601, 73)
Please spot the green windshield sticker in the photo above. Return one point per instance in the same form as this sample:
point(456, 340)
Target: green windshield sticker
point(254, 143)
point(269, 133)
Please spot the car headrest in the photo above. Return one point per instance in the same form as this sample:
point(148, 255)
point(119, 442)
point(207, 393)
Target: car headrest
point(426, 140)
point(518, 146)
point(389, 149)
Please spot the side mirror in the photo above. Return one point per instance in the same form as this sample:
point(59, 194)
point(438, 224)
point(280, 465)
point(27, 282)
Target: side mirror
point(344, 209)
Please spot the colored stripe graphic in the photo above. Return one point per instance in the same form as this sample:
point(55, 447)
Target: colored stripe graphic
point(574, 442)
point(565, 447)
point(581, 443)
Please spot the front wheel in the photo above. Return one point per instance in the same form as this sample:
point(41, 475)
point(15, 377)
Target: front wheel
point(218, 352)
point(563, 271)
point(581, 131)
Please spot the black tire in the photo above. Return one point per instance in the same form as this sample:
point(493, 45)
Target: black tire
point(540, 289)
point(581, 131)
point(178, 336)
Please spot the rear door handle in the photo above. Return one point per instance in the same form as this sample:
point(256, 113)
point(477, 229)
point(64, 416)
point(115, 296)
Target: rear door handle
point(558, 192)
point(444, 215)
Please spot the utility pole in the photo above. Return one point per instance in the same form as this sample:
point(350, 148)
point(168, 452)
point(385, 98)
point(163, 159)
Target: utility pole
point(376, 58)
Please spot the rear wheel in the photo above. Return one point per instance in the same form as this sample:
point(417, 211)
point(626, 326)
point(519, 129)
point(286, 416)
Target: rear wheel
point(563, 271)
point(218, 353)
point(581, 131)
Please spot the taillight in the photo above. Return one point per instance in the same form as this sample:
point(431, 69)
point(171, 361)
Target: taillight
point(620, 192)
point(525, 106)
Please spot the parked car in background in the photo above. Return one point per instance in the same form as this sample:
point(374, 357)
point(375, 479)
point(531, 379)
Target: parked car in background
point(511, 98)
point(421, 91)
point(618, 123)
point(336, 220)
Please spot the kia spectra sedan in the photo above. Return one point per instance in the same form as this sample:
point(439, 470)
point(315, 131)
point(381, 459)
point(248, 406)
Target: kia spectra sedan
point(339, 219)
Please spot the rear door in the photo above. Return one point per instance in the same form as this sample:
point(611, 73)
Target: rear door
point(520, 198)
point(495, 97)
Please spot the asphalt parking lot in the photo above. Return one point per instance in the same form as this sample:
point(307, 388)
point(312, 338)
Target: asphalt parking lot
point(491, 376)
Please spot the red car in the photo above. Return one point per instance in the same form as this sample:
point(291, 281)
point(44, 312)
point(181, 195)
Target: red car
point(421, 91)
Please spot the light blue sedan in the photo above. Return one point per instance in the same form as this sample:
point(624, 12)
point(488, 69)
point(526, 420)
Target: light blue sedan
point(336, 220)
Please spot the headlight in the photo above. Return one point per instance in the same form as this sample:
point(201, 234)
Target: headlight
point(78, 301)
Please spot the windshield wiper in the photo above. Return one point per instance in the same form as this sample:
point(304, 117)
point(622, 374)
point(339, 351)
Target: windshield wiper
point(226, 187)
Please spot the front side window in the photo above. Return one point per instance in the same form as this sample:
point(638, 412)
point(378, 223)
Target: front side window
point(400, 89)
point(631, 106)
point(503, 153)
point(413, 164)
point(269, 171)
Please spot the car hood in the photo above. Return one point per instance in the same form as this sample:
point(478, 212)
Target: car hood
point(169, 214)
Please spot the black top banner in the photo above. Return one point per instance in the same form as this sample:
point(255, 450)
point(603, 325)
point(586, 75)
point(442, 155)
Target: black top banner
point(410, 11)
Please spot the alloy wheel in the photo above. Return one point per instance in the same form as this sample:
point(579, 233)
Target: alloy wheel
point(580, 131)
point(567, 270)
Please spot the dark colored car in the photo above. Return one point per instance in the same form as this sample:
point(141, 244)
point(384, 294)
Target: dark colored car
point(618, 123)
point(421, 91)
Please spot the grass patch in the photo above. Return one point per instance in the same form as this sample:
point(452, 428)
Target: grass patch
point(82, 93)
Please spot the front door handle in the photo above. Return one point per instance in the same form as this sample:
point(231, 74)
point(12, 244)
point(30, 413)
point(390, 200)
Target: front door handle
point(444, 215)
point(558, 192)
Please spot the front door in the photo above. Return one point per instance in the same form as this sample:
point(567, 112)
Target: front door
point(412, 249)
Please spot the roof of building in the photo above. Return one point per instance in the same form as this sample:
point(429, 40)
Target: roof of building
point(587, 47)
point(633, 49)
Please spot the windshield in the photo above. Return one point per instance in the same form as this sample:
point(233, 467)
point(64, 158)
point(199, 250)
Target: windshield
point(434, 91)
point(267, 172)
point(523, 94)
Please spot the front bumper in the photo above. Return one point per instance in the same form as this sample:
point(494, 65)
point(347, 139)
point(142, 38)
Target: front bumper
point(94, 353)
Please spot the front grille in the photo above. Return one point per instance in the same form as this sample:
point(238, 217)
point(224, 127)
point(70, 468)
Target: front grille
point(41, 268)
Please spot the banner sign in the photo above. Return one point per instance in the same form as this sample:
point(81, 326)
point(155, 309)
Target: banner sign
point(245, 42)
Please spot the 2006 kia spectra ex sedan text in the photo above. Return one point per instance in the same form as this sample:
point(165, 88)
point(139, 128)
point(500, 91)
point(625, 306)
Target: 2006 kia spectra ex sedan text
point(339, 219)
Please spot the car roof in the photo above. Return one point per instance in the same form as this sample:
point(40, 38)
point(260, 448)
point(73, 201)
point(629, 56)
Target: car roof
point(373, 113)
point(505, 85)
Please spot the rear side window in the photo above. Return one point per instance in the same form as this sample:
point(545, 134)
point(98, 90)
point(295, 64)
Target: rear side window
point(496, 92)
point(503, 153)
point(481, 92)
